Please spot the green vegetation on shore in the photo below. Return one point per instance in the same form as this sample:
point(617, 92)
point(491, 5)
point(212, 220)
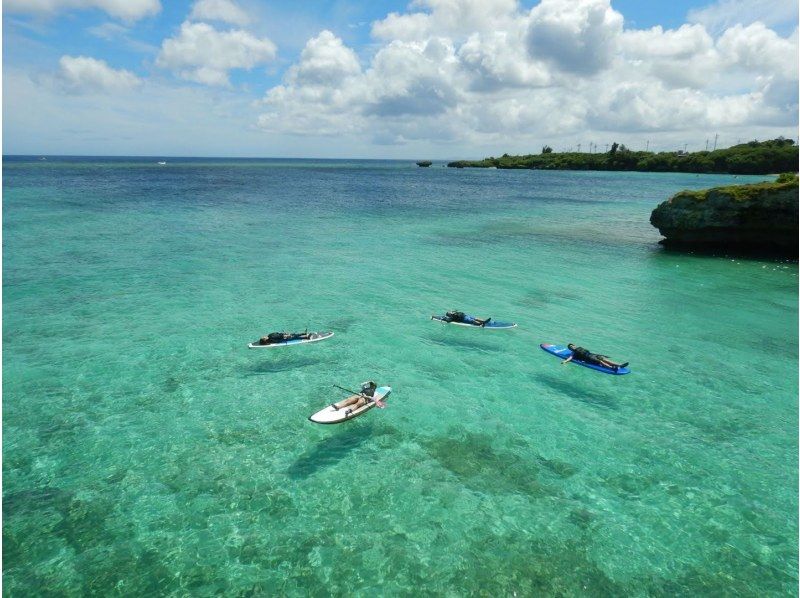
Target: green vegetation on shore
point(740, 193)
point(764, 157)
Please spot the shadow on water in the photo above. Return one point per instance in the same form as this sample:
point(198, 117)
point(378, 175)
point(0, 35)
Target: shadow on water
point(332, 449)
point(572, 390)
point(760, 254)
point(281, 365)
point(479, 465)
point(342, 324)
point(472, 345)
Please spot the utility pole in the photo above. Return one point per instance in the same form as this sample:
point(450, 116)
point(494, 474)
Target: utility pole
point(706, 144)
point(579, 148)
point(684, 148)
point(716, 136)
point(606, 148)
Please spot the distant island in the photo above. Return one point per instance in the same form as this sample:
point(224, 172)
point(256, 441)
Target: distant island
point(755, 157)
point(424, 163)
point(759, 217)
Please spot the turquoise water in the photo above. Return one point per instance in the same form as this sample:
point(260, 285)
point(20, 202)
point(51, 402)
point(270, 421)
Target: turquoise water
point(147, 451)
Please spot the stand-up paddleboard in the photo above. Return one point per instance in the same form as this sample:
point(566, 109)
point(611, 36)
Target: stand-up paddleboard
point(338, 413)
point(562, 353)
point(490, 325)
point(313, 338)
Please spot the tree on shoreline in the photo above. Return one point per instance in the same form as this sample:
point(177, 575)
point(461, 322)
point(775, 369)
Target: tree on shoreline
point(754, 157)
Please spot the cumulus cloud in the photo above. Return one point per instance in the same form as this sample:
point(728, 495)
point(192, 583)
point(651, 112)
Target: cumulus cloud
point(413, 78)
point(483, 72)
point(758, 49)
point(127, 10)
point(683, 57)
point(450, 18)
point(685, 42)
point(579, 36)
point(324, 61)
point(498, 59)
point(82, 74)
point(322, 94)
point(226, 11)
point(204, 55)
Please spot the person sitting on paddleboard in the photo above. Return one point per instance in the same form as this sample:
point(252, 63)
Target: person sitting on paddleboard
point(581, 354)
point(357, 401)
point(460, 316)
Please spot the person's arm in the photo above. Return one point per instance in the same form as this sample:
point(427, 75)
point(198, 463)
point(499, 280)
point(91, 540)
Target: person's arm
point(567, 360)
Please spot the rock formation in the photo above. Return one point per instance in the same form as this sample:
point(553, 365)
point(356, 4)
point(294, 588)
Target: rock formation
point(760, 217)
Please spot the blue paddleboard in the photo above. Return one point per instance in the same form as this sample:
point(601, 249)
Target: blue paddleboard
point(490, 324)
point(562, 353)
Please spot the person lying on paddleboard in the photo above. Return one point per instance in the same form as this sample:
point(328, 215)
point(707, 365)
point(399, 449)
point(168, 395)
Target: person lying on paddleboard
point(280, 337)
point(581, 354)
point(357, 401)
point(460, 316)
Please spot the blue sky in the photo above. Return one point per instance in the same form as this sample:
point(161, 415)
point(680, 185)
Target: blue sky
point(438, 78)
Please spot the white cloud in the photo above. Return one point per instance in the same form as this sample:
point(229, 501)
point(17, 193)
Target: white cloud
point(202, 54)
point(578, 36)
point(324, 61)
point(683, 57)
point(498, 59)
point(226, 11)
point(451, 18)
point(758, 49)
point(460, 75)
point(413, 79)
point(685, 42)
point(322, 94)
point(460, 71)
point(724, 14)
point(82, 74)
point(127, 10)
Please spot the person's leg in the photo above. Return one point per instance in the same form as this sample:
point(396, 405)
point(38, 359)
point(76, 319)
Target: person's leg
point(356, 405)
point(345, 403)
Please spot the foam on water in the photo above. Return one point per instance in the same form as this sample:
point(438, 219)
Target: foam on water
point(146, 450)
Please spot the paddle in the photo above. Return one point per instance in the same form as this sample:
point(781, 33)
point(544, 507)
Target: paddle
point(378, 402)
point(352, 392)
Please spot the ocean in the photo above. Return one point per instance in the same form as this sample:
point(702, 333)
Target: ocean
point(147, 451)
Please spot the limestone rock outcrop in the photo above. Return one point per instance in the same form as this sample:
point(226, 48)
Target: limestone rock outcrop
point(756, 217)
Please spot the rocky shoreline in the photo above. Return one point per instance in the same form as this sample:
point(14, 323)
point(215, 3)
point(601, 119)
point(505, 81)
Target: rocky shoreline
point(747, 218)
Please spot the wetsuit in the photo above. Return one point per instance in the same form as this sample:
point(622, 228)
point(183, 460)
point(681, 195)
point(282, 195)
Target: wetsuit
point(456, 316)
point(581, 354)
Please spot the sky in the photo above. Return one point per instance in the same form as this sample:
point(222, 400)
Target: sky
point(437, 79)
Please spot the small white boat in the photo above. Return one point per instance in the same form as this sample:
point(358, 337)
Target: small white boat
point(162, 163)
point(341, 412)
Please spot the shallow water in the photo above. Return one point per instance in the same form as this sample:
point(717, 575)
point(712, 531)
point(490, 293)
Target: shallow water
point(146, 450)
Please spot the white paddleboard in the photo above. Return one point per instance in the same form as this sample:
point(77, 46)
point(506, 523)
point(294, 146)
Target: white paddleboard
point(314, 337)
point(331, 415)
